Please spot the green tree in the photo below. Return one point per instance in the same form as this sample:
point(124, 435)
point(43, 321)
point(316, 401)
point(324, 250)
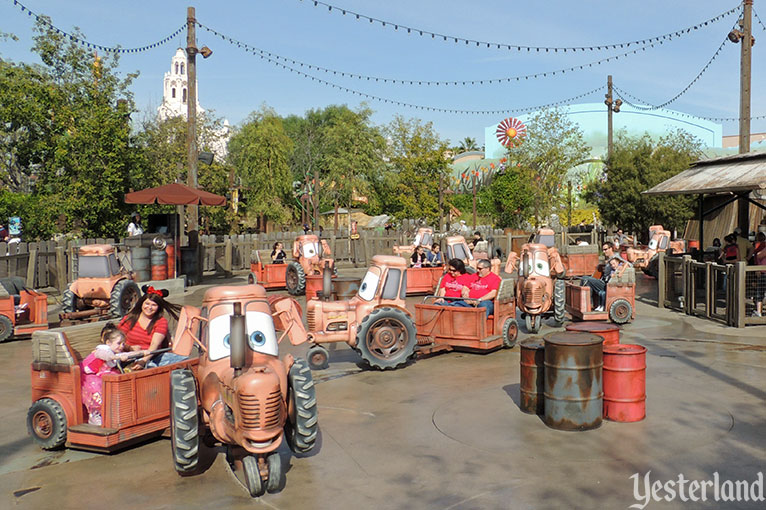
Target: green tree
point(553, 145)
point(637, 164)
point(416, 160)
point(468, 144)
point(259, 152)
point(510, 197)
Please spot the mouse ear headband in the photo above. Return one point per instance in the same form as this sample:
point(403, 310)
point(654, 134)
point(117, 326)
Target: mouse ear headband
point(148, 289)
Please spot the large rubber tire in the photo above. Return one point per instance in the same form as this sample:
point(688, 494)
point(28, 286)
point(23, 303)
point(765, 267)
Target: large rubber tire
point(46, 423)
point(295, 279)
point(559, 302)
point(125, 294)
point(6, 328)
point(653, 267)
point(274, 482)
point(510, 333)
point(620, 311)
point(386, 338)
point(184, 421)
point(253, 481)
point(301, 428)
point(318, 358)
point(68, 301)
point(532, 323)
point(251, 279)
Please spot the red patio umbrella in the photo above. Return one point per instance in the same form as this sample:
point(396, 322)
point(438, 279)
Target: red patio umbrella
point(174, 194)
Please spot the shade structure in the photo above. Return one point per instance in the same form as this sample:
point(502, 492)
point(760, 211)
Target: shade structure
point(174, 194)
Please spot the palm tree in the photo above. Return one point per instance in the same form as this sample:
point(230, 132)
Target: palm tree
point(468, 144)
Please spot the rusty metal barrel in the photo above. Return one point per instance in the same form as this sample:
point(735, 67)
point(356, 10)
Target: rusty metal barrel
point(170, 250)
point(573, 389)
point(140, 259)
point(610, 332)
point(532, 370)
point(313, 285)
point(159, 261)
point(345, 287)
point(624, 382)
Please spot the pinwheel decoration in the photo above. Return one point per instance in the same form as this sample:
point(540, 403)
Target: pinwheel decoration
point(510, 129)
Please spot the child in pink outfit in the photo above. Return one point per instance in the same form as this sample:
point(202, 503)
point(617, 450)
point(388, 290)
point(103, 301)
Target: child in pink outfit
point(103, 360)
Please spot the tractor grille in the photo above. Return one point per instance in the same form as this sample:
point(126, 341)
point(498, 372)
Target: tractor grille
point(261, 414)
point(311, 319)
point(533, 294)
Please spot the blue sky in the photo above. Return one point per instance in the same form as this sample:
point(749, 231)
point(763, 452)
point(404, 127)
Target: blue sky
point(234, 83)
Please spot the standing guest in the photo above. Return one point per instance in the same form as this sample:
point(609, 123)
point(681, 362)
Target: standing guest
point(759, 255)
point(435, 255)
point(278, 254)
point(453, 281)
point(134, 227)
point(145, 327)
point(743, 245)
point(103, 360)
point(730, 252)
point(418, 258)
point(482, 289)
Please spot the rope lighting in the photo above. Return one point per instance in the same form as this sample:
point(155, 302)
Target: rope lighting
point(82, 42)
point(396, 81)
point(758, 18)
point(625, 95)
point(504, 46)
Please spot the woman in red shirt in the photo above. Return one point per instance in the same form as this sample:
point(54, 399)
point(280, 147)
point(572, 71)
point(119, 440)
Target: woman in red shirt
point(453, 281)
point(146, 328)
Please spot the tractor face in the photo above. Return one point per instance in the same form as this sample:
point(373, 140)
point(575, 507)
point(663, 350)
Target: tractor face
point(534, 289)
point(98, 273)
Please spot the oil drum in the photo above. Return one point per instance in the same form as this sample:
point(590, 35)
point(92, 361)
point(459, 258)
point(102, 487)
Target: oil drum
point(313, 285)
point(532, 370)
point(608, 331)
point(170, 250)
point(573, 386)
point(139, 257)
point(159, 261)
point(624, 382)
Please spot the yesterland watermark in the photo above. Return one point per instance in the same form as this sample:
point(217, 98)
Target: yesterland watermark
point(645, 490)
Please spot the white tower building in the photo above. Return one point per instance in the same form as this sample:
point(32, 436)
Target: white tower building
point(175, 90)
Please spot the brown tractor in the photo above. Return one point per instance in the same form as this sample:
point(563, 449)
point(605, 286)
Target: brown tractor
point(577, 260)
point(540, 289)
point(103, 287)
point(309, 257)
point(457, 248)
point(22, 311)
point(242, 395)
point(423, 237)
point(646, 257)
point(620, 299)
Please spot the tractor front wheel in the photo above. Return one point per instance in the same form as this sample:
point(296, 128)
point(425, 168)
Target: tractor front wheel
point(275, 480)
point(620, 311)
point(295, 279)
point(532, 322)
point(46, 422)
point(125, 294)
point(255, 485)
point(302, 424)
point(510, 333)
point(318, 358)
point(386, 338)
point(6, 328)
point(184, 421)
point(559, 302)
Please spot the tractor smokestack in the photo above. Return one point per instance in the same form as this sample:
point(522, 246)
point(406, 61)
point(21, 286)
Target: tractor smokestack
point(326, 281)
point(237, 339)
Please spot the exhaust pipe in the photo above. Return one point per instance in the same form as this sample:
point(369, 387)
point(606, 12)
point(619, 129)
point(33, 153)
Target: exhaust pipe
point(326, 281)
point(237, 339)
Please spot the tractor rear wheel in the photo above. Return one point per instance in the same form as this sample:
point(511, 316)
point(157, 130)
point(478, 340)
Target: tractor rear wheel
point(510, 333)
point(184, 421)
point(274, 482)
point(251, 279)
point(125, 294)
point(532, 323)
point(46, 423)
point(301, 427)
point(620, 311)
point(386, 338)
point(318, 358)
point(255, 485)
point(295, 279)
point(653, 267)
point(68, 301)
point(559, 302)
point(6, 328)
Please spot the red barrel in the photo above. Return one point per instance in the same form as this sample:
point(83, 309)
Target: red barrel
point(624, 382)
point(532, 372)
point(170, 251)
point(693, 243)
point(159, 261)
point(608, 331)
point(313, 285)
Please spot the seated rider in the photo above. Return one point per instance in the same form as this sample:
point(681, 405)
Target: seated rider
point(453, 281)
point(435, 255)
point(482, 289)
point(278, 254)
point(419, 258)
point(616, 266)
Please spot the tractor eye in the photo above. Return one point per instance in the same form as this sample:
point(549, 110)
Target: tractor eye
point(257, 339)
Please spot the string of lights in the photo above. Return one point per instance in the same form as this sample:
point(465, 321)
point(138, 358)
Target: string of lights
point(758, 18)
point(624, 95)
point(372, 97)
point(397, 81)
point(505, 46)
point(683, 91)
point(82, 42)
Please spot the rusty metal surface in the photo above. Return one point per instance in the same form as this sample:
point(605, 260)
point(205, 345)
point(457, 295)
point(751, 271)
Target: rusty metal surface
point(743, 172)
point(573, 386)
point(625, 382)
point(531, 375)
point(610, 332)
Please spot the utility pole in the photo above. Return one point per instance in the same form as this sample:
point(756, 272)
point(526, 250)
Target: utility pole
point(746, 40)
point(610, 107)
point(191, 111)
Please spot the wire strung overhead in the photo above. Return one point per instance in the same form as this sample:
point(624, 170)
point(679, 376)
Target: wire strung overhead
point(624, 95)
point(398, 81)
point(683, 91)
point(505, 46)
point(758, 18)
point(82, 42)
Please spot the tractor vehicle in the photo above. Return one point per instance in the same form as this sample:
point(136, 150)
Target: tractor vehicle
point(457, 248)
point(423, 237)
point(135, 405)
point(241, 395)
point(103, 288)
point(377, 325)
point(310, 254)
point(420, 280)
point(577, 260)
point(22, 311)
point(540, 288)
point(646, 257)
point(620, 299)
